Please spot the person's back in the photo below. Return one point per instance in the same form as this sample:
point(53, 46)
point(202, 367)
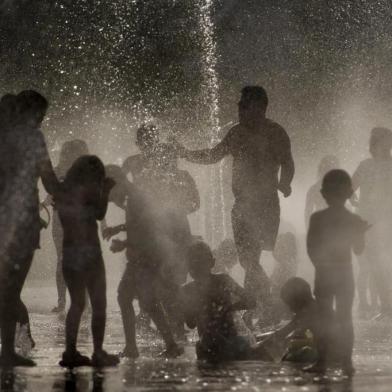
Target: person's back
point(78, 217)
point(81, 203)
point(333, 234)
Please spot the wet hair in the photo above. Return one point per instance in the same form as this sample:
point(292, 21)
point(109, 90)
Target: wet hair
point(198, 253)
point(337, 183)
point(72, 150)
point(254, 93)
point(86, 169)
point(30, 100)
point(296, 293)
point(146, 132)
point(327, 163)
point(380, 135)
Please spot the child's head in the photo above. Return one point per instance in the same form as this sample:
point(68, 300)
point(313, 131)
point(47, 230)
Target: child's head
point(336, 187)
point(72, 150)
point(227, 252)
point(380, 143)
point(86, 170)
point(296, 294)
point(327, 163)
point(286, 248)
point(200, 260)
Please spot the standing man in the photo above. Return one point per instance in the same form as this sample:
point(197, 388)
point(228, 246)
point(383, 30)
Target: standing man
point(261, 150)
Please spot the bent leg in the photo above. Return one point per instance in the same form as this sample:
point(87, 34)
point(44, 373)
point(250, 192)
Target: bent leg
point(249, 249)
point(150, 302)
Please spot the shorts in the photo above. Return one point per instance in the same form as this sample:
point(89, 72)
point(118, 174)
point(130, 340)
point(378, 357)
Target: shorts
point(256, 223)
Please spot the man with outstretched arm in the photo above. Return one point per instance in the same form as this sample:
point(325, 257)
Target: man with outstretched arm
point(262, 166)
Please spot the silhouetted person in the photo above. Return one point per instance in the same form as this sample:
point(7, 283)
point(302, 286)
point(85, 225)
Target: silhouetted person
point(82, 202)
point(147, 139)
point(142, 278)
point(332, 236)
point(314, 200)
point(373, 179)
point(296, 341)
point(70, 151)
point(23, 159)
point(260, 149)
point(208, 304)
point(173, 195)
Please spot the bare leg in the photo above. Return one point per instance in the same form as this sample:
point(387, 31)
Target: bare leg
point(96, 287)
point(126, 295)
point(77, 289)
point(12, 283)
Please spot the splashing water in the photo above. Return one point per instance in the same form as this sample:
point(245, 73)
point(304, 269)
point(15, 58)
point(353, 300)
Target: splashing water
point(215, 200)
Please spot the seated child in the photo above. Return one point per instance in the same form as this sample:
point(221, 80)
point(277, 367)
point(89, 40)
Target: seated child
point(208, 303)
point(296, 340)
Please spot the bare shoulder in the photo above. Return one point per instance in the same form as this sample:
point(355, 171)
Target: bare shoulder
point(318, 216)
point(355, 218)
point(275, 127)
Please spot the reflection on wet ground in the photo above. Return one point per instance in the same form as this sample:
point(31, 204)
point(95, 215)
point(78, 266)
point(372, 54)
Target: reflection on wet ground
point(372, 359)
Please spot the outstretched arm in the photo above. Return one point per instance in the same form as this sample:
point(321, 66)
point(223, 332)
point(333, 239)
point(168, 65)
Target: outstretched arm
point(210, 155)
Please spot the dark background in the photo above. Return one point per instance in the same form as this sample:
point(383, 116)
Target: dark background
point(323, 63)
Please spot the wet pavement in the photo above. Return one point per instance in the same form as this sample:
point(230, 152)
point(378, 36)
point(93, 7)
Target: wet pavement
point(372, 360)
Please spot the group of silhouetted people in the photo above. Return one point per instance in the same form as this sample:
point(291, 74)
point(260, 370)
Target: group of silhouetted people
point(161, 250)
